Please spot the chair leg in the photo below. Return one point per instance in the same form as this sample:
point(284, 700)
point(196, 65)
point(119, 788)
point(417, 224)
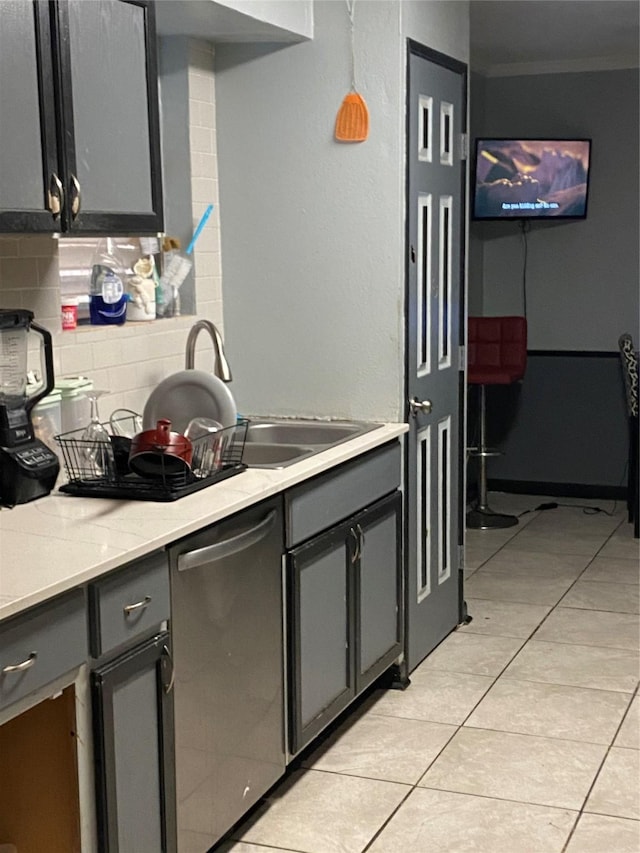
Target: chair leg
point(632, 474)
point(482, 517)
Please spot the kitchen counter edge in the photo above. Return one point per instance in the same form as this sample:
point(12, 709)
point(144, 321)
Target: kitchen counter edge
point(59, 542)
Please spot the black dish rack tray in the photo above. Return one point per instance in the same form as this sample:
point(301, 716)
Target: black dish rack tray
point(215, 458)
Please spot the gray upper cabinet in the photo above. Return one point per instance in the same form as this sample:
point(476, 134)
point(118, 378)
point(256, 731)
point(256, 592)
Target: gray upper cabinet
point(80, 136)
point(28, 143)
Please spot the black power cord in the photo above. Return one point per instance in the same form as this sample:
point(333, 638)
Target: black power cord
point(587, 510)
point(525, 227)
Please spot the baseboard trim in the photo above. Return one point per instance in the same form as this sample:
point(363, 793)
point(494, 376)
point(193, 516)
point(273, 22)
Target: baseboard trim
point(571, 353)
point(559, 490)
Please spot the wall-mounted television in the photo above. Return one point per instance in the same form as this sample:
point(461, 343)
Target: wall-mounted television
point(530, 178)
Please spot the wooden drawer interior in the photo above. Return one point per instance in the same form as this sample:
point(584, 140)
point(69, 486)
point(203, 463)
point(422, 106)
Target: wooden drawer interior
point(39, 806)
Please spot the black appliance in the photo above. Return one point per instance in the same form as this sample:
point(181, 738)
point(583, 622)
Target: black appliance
point(28, 468)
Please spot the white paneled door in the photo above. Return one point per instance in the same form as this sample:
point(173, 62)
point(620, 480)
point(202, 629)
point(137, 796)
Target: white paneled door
point(435, 268)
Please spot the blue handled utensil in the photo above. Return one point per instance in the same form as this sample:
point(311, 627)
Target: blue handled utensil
point(203, 221)
point(178, 267)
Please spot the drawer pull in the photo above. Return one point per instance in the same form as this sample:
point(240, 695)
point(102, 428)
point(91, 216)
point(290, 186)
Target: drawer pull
point(139, 605)
point(21, 667)
point(168, 663)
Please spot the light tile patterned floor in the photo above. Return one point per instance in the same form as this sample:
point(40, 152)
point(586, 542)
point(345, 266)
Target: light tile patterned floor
point(519, 733)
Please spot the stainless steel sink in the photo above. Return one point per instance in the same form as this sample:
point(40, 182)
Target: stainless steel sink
point(276, 444)
point(301, 433)
point(273, 455)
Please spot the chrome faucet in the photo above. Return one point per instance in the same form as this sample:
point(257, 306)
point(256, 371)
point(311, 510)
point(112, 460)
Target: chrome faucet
point(221, 366)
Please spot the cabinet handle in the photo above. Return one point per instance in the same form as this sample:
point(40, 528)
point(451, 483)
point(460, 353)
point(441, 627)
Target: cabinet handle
point(75, 195)
point(139, 605)
point(361, 537)
point(356, 551)
point(21, 667)
point(167, 655)
point(55, 195)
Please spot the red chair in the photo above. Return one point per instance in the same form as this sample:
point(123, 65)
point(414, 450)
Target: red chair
point(496, 355)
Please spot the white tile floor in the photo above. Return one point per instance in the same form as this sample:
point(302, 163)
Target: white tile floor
point(518, 734)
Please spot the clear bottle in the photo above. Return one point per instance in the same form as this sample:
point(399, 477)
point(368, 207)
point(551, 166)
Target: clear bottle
point(107, 297)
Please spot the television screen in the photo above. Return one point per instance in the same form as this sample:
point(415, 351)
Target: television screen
point(531, 178)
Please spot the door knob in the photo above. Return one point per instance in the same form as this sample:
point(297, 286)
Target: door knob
point(416, 406)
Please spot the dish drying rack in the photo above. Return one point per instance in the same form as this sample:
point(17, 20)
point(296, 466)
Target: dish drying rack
point(94, 473)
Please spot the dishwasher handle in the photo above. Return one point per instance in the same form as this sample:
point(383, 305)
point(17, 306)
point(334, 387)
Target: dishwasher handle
point(227, 547)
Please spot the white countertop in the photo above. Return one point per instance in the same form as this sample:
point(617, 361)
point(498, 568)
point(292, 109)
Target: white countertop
point(58, 542)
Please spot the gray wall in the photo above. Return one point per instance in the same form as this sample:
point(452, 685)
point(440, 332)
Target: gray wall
point(582, 276)
point(566, 425)
point(236, 20)
point(313, 230)
point(296, 17)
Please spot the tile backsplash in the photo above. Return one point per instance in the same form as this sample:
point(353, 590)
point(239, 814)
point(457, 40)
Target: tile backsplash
point(130, 360)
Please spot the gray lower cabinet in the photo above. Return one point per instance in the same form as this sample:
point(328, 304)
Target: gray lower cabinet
point(133, 739)
point(131, 683)
point(378, 590)
point(40, 653)
point(345, 618)
point(41, 645)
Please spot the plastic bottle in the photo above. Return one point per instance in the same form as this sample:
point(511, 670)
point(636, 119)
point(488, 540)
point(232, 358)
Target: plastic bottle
point(107, 297)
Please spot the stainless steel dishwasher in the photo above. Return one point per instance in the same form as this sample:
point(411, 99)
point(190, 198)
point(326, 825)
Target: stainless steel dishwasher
point(227, 633)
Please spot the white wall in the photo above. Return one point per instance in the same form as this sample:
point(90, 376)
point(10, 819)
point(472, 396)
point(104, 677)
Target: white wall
point(312, 229)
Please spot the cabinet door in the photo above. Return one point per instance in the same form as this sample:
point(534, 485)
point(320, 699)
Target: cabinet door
point(28, 151)
point(133, 735)
point(375, 543)
point(107, 54)
point(321, 671)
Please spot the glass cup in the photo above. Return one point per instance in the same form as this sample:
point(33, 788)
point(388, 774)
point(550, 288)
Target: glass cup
point(96, 443)
point(202, 432)
point(125, 422)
